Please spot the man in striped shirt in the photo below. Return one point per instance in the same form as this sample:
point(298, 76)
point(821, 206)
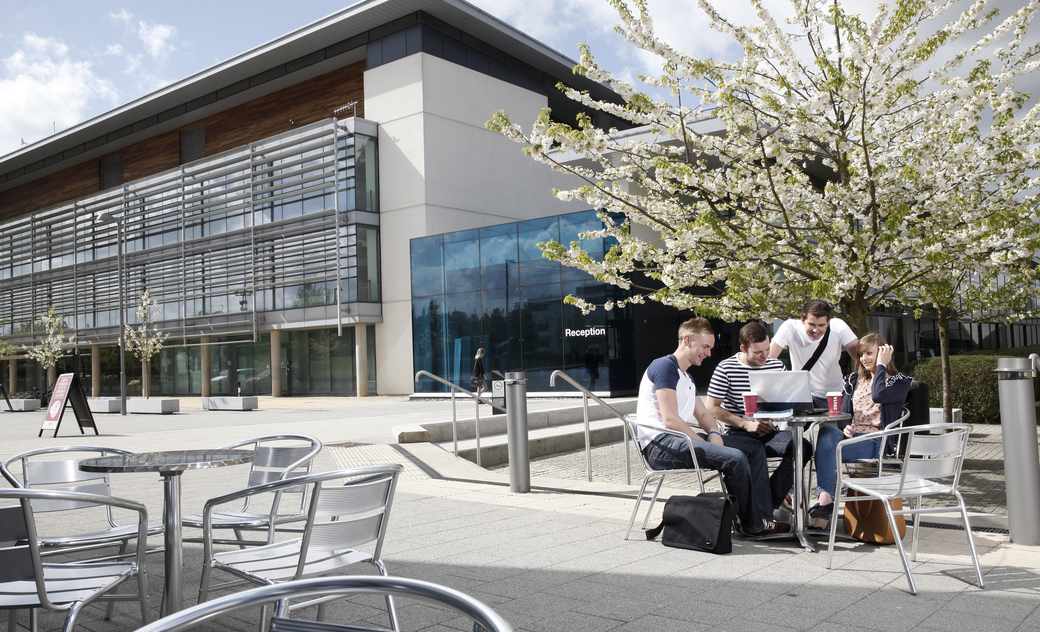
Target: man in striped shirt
point(726, 403)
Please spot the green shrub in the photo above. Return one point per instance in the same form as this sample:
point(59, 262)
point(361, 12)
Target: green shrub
point(973, 382)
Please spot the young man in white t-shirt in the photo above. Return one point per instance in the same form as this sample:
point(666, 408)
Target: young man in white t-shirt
point(668, 399)
point(803, 338)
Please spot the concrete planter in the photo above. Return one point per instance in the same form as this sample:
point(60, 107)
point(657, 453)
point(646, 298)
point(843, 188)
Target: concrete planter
point(104, 404)
point(25, 405)
point(153, 406)
point(230, 403)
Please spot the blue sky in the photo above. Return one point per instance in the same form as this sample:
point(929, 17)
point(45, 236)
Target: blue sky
point(63, 62)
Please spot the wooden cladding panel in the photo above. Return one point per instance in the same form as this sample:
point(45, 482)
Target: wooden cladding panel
point(281, 111)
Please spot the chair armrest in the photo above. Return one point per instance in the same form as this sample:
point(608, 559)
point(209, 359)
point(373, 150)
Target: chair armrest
point(630, 419)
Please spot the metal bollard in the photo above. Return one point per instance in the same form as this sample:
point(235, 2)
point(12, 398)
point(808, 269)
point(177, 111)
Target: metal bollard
point(516, 431)
point(1021, 459)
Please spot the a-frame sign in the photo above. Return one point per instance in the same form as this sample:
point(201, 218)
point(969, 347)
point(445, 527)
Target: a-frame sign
point(67, 390)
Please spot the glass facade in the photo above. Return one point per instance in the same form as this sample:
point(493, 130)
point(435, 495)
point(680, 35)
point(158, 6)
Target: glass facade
point(491, 288)
point(283, 230)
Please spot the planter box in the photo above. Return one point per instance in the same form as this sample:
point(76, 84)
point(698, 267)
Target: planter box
point(230, 403)
point(104, 404)
point(153, 406)
point(25, 405)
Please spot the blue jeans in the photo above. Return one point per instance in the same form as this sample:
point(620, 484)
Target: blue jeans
point(827, 456)
point(745, 478)
point(777, 443)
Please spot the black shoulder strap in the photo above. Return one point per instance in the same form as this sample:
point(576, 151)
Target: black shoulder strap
point(819, 351)
point(653, 533)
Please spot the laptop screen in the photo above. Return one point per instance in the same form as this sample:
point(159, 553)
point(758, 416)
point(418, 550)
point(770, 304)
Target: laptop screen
point(780, 390)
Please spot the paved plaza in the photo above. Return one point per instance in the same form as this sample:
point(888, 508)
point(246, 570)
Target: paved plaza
point(555, 558)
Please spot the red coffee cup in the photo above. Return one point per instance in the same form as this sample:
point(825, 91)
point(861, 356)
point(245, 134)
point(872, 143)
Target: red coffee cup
point(834, 403)
point(750, 403)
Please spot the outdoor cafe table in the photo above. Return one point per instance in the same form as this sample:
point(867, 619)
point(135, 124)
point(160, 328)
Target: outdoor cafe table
point(798, 423)
point(170, 465)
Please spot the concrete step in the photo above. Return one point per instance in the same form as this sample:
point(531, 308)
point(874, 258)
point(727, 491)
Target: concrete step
point(552, 431)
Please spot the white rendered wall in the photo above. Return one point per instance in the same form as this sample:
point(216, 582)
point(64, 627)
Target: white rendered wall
point(441, 170)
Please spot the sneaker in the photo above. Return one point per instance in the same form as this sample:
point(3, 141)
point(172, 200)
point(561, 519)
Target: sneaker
point(773, 527)
point(788, 504)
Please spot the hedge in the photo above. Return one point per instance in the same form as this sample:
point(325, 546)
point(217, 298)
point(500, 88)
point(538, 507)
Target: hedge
point(973, 382)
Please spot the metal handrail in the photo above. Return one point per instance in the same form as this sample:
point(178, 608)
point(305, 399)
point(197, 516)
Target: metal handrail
point(454, 416)
point(585, 394)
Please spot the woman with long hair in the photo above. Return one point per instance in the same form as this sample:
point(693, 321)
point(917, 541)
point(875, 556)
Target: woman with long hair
point(874, 395)
point(477, 378)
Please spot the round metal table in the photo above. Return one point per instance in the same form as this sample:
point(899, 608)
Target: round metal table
point(798, 423)
point(170, 465)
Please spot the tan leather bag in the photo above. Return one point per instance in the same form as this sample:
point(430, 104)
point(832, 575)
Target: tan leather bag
point(866, 521)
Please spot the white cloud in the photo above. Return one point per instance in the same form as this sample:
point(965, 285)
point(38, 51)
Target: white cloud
point(123, 16)
point(114, 50)
point(157, 39)
point(44, 89)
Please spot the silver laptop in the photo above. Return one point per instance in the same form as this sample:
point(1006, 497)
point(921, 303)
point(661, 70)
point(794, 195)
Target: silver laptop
point(782, 390)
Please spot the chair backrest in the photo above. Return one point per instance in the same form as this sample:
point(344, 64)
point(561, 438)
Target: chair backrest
point(280, 457)
point(936, 456)
point(20, 560)
point(352, 514)
point(41, 470)
point(634, 432)
point(339, 586)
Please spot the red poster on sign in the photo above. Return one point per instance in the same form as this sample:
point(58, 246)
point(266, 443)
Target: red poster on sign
point(58, 399)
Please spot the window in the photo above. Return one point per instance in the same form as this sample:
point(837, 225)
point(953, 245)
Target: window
point(193, 144)
point(111, 172)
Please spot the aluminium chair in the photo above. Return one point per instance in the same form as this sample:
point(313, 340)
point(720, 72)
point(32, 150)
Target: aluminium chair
point(40, 470)
point(341, 517)
point(930, 466)
point(278, 457)
point(28, 583)
point(483, 617)
point(657, 475)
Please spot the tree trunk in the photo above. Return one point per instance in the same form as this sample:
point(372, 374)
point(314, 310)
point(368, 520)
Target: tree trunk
point(52, 377)
point(146, 375)
point(856, 312)
point(944, 351)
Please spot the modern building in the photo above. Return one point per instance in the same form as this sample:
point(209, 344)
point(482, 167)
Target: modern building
point(324, 214)
point(291, 208)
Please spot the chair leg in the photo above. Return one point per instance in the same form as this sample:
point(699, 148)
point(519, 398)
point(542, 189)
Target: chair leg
point(834, 529)
point(111, 604)
point(899, 544)
point(32, 619)
point(635, 510)
point(204, 582)
point(653, 499)
point(971, 539)
point(142, 592)
point(394, 625)
point(916, 524)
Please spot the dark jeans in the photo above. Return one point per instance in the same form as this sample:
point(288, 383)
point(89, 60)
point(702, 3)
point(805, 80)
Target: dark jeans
point(745, 476)
point(778, 443)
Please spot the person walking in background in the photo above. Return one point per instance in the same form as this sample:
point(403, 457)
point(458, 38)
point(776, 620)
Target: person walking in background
point(477, 379)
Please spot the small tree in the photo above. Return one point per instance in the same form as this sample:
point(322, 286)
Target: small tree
point(145, 340)
point(52, 346)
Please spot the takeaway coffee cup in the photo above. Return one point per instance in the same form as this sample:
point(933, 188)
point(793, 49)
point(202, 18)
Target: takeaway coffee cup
point(750, 403)
point(834, 403)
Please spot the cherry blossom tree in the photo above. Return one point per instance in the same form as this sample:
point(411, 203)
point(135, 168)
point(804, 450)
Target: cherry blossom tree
point(145, 340)
point(51, 347)
point(862, 160)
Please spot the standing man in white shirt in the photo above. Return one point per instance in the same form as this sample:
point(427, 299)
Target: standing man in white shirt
point(668, 399)
point(815, 343)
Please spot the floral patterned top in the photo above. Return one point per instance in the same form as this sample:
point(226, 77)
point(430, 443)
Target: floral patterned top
point(866, 415)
